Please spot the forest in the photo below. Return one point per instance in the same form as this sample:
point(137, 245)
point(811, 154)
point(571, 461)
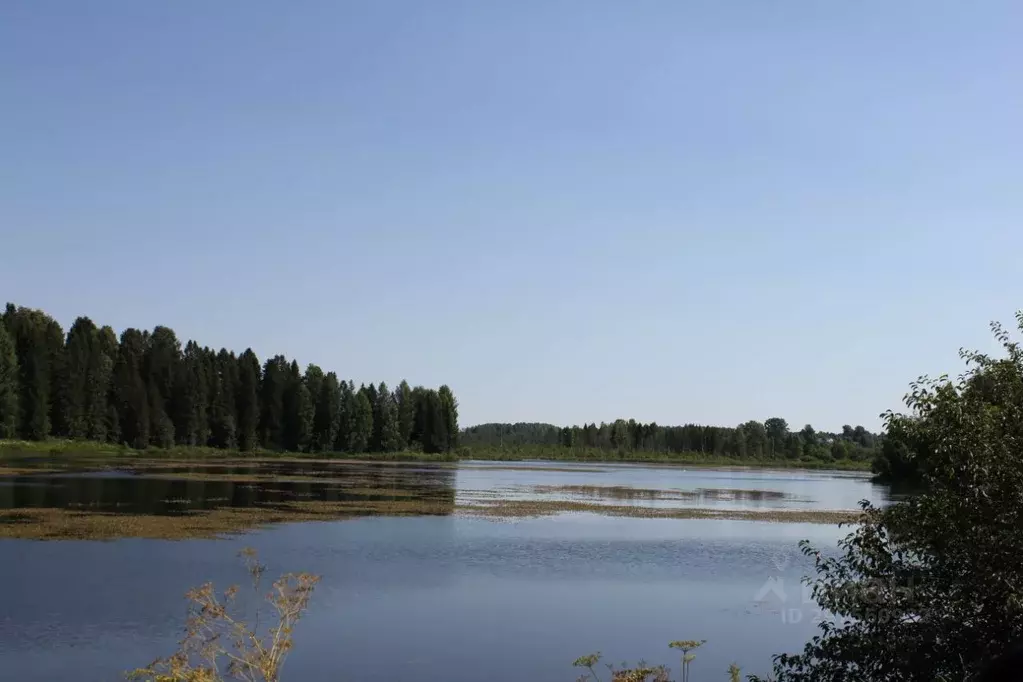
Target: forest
point(768, 440)
point(144, 389)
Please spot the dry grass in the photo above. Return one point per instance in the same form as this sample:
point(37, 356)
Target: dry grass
point(219, 644)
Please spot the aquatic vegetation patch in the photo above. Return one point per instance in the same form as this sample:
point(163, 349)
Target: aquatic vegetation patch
point(505, 509)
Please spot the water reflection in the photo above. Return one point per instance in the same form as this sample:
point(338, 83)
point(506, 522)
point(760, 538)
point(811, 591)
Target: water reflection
point(168, 490)
point(673, 487)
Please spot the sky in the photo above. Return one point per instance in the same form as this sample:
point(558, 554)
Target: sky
point(568, 210)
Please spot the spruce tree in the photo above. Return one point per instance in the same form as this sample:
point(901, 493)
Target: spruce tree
point(430, 422)
point(247, 408)
point(190, 402)
point(131, 399)
point(386, 432)
point(271, 403)
point(160, 369)
point(345, 417)
point(298, 411)
point(145, 389)
point(38, 343)
point(8, 385)
point(406, 411)
point(362, 422)
point(99, 375)
point(223, 381)
point(327, 417)
point(449, 408)
point(74, 388)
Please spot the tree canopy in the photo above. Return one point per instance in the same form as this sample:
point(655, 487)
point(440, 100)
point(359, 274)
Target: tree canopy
point(148, 389)
point(931, 588)
point(752, 440)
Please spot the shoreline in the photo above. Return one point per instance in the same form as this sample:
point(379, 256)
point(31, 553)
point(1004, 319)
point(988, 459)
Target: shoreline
point(84, 450)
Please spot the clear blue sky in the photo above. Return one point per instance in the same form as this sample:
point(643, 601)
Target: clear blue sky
point(697, 211)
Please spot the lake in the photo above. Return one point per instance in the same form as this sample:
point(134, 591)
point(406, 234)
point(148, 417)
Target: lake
point(510, 572)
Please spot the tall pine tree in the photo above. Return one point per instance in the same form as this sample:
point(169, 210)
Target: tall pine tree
point(160, 369)
point(74, 388)
point(38, 343)
point(247, 396)
point(430, 424)
point(189, 409)
point(223, 387)
point(102, 421)
point(449, 408)
point(298, 411)
point(406, 412)
point(131, 398)
point(386, 436)
point(271, 402)
point(8, 385)
point(327, 415)
point(362, 422)
point(143, 389)
point(345, 417)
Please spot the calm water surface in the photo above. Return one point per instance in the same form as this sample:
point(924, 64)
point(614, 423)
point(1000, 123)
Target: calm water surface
point(441, 597)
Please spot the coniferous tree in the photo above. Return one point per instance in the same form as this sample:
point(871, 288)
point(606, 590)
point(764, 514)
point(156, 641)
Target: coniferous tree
point(406, 411)
point(247, 407)
point(430, 423)
point(144, 389)
point(57, 359)
point(160, 368)
point(327, 417)
point(299, 411)
point(98, 410)
point(38, 342)
point(386, 434)
point(8, 385)
point(161, 428)
point(74, 387)
point(418, 417)
point(362, 422)
point(437, 437)
point(271, 403)
point(449, 408)
point(345, 417)
point(223, 389)
point(131, 399)
point(190, 403)
point(313, 379)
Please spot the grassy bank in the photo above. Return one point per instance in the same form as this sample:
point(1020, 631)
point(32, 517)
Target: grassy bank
point(59, 448)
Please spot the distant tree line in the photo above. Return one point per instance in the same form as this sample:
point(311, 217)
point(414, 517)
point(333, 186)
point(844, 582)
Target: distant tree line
point(144, 389)
point(770, 439)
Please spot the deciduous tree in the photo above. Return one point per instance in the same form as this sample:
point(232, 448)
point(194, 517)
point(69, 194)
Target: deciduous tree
point(931, 588)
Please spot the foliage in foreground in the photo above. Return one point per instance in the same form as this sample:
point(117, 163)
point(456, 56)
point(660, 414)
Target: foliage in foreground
point(932, 588)
point(71, 448)
point(642, 672)
point(219, 645)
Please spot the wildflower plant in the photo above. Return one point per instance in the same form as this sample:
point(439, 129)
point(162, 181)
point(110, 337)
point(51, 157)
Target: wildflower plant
point(219, 645)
